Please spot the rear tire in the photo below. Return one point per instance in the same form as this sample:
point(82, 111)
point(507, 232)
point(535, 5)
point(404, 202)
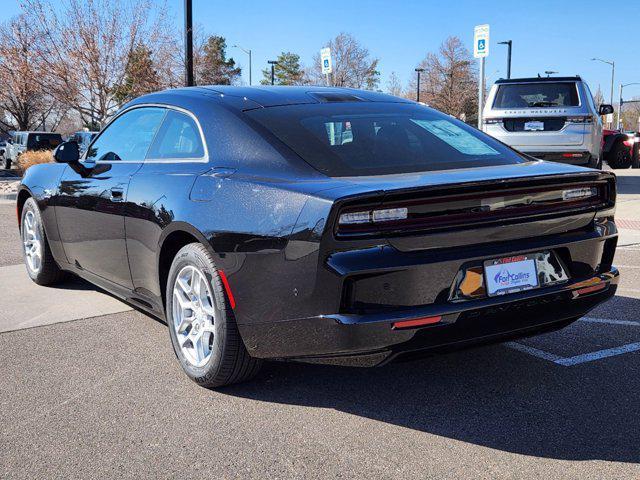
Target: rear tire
point(202, 326)
point(619, 156)
point(41, 266)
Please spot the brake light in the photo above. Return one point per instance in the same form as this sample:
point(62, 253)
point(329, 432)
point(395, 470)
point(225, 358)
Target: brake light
point(580, 119)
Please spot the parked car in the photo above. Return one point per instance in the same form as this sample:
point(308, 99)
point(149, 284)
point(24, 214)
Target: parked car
point(83, 139)
point(23, 141)
point(618, 149)
point(551, 118)
point(249, 220)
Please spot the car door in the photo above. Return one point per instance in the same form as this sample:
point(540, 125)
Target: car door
point(90, 203)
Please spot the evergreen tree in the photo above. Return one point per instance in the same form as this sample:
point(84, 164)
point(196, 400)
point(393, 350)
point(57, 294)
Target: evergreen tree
point(140, 76)
point(213, 67)
point(288, 71)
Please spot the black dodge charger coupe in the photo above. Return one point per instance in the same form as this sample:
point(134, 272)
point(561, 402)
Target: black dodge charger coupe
point(318, 224)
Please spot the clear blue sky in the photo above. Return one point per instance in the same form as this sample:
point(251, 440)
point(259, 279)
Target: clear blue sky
point(547, 34)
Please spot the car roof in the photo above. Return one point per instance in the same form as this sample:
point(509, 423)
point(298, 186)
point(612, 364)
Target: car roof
point(538, 79)
point(246, 98)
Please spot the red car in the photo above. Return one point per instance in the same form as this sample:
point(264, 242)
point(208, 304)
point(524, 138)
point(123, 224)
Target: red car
point(618, 149)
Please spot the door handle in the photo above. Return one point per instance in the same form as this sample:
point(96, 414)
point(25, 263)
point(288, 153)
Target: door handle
point(117, 194)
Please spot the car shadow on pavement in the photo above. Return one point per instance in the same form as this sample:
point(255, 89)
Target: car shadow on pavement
point(491, 396)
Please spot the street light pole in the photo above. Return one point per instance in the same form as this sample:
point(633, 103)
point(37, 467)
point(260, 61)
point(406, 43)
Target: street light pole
point(509, 44)
point(621, 102)
point(188, 42)
point(613, 70)
point(248, 52)
point(273, 63)
point(419, 70)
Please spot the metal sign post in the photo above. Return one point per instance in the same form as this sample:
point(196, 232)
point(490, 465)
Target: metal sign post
point(481, 51)
point(325, 63)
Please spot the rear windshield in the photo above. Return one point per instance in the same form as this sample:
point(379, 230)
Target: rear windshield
point(354, 139)
point(43, 141)
point(543, 94)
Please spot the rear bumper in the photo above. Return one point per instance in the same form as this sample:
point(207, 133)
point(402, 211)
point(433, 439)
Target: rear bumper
point(369, 340)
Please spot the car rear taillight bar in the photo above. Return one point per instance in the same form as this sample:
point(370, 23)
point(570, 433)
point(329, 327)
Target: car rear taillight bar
point(460, 211)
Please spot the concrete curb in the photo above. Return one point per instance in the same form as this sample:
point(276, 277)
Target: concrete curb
point(9, 197)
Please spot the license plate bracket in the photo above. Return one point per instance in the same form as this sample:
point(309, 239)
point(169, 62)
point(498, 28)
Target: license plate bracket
point(511, 274)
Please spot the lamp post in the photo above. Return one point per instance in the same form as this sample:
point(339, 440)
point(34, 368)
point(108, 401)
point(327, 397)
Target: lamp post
point(273, 63)
point(613, 69)
point(188, 42)
point(509, 44)
point(419, 71)
point(248, 52)
point(620, 102)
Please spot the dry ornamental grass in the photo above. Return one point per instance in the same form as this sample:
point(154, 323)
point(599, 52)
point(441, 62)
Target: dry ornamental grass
point(34, 157)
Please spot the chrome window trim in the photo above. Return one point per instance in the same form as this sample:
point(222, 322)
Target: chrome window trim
point(203, 159)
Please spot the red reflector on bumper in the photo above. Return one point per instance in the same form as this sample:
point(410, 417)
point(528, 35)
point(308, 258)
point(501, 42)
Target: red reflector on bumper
point(417, 322)
point(572, 155)
point(591, 289)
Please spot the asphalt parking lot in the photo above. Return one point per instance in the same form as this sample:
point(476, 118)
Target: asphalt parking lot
point(103, 397)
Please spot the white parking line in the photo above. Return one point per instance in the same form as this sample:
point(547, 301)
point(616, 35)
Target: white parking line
point(590, 357)
point(610, 321)
point(586, 357)
point(534, 351)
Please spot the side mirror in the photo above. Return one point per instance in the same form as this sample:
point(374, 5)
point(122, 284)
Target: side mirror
point(67, 152)
point(605, 109)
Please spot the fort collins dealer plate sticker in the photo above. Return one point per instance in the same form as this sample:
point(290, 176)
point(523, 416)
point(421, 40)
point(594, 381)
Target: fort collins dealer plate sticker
point(510, 274)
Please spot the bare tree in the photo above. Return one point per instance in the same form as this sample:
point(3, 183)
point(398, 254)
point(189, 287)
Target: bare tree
point(394, 85)
point(352, 65)
point(450, 82)
point(86, 46)
point(25, 103)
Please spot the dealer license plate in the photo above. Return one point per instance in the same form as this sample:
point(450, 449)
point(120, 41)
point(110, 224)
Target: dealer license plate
point(510, 274)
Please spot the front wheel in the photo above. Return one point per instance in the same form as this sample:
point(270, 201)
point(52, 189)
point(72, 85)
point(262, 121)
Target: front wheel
point(41, 266)
point(201, 322)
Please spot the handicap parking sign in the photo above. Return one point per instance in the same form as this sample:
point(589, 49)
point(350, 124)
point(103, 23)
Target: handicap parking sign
point(481, 41)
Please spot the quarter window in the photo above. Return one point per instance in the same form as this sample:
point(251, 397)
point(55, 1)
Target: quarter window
point(128, 137)
point(178, 138)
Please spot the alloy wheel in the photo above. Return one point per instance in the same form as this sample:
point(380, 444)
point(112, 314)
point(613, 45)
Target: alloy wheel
point(193, 315)
point(32, 242)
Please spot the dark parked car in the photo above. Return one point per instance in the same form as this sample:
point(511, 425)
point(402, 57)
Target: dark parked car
point(22, 142)
point(318, 224)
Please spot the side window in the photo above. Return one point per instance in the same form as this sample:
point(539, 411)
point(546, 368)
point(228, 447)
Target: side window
point(128, 137)
point(178, 138)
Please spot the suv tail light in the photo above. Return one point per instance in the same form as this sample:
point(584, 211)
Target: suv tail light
point(580, 119)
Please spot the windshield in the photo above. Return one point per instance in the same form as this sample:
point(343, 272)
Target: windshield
point(43, 141)
point(543, 94)
point(367, 138)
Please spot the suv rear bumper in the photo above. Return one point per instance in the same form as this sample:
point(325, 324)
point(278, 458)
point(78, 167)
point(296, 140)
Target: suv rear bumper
point(573, 157)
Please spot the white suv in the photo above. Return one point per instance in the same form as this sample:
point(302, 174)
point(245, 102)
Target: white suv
point(551, 118)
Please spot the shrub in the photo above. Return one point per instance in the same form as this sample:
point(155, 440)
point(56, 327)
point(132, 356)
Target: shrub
point(34, 157)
